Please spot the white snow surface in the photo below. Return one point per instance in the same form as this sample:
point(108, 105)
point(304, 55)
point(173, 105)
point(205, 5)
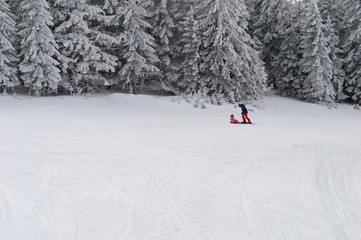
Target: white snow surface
point(125, 167)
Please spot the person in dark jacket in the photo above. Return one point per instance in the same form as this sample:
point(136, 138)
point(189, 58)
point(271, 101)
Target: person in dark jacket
point(245, 117)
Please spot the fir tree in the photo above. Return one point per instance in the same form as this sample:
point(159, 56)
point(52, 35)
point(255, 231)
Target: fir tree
point(190, 80)
point(163, 30)
point(163, 34)
point(8, 59)
point(15, 4)
point(108, 33)
point(352, 50)
point(264, 26)
point(178, 9)
point(82, 60)
point(230, 65)
point(331, 15)
point(110, 6)
point(38, 66)
point(350, 10)
point(338, 75)
point(251, 5)
point(262, 18)
point(139, 56)
point(287, 63)
point(316, 66)
point(331, 9)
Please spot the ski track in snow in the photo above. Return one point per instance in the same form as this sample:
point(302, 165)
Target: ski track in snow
point(78, 170)
point(333, 187)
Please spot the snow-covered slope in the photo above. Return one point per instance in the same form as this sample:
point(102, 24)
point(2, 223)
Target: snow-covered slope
point(124, 167)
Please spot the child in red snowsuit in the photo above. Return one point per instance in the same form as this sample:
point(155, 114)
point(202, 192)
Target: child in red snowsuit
point(233, 120)
point(245, 117)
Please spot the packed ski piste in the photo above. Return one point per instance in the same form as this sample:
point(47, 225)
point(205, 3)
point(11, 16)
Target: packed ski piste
point(121, 166)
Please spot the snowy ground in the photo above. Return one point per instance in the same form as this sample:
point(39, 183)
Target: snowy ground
point(124, 167)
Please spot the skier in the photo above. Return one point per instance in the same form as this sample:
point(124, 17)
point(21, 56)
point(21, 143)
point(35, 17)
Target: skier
point(233, 120)
point(245, 117)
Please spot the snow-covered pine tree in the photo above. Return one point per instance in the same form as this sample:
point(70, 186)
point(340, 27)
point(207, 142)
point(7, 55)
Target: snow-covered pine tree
point(230, 65)
point(8, 59)
point(177, 9)
point(189, 82)
point(331, 15)
point(163, 30)
point(163, 34)
point(106, 29)
point(316, 65)
point(110, 6)
point(82, 60)
point(287, 63)
point(14, 4)
point(348, 11)
point(106, 25)
point(338, 75)
point(140, 57)
point(331, 9)
point(38, 66)
point(262, 18)
point(250, 4)
point(352, 50)
point(264, 26)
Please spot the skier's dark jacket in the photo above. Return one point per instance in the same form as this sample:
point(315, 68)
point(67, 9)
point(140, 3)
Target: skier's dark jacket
point(244, 109)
